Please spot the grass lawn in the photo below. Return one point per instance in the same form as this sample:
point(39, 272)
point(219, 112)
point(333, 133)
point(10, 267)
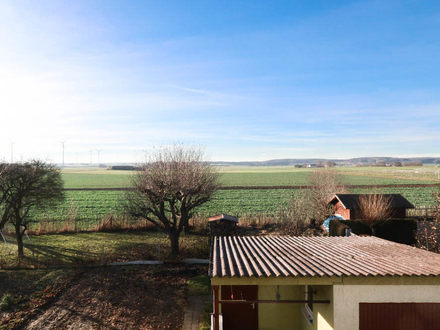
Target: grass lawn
point(96, 248)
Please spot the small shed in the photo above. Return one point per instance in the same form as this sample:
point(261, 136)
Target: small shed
point(222, 224)
point(347, 205)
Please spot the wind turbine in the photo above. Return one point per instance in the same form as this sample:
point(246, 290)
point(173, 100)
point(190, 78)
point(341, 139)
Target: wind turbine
point(145, 154)
point(12, 150)
point(99, 153)
point(62, 142)
point(91, 157)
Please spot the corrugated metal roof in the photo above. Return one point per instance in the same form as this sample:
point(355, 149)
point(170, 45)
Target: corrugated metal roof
point(351, 201)
point(318, 256)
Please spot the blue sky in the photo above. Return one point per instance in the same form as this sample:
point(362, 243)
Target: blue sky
point(246, 80)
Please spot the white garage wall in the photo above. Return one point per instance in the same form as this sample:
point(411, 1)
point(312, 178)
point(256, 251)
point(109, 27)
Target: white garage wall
point(346, 299)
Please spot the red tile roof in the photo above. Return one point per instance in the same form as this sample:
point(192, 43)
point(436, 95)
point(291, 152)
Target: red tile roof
point(284, 256)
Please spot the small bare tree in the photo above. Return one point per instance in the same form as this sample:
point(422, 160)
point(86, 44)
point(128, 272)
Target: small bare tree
point(307, 211)
point(24, 188)
point(325, 183)
point(293, 217)
point(373, 208)
point(169, 188)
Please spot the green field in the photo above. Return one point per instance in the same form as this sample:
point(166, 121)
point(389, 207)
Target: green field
point(90, 207)
point(93, 206)
point(96, 178)
point(266, 176)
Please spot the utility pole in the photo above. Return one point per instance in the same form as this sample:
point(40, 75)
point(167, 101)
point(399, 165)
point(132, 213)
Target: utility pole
point(76, 153)
point(62, 142)
point(12, 150)
point(99, 153)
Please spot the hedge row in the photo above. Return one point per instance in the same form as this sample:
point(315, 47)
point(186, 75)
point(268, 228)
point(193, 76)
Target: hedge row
point(397, 230)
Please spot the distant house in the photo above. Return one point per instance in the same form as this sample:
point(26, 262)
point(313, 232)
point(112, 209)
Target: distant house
point(311, 165)
point(347, 205)
point(323, 283)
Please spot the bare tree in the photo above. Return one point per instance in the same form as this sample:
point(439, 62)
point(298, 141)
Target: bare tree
point(294, 217)
point(325, 183)
point(25, 188)
point(169, 188)
point(373, 208)
point(305, 213)
point(3, 219)
point(329, 163)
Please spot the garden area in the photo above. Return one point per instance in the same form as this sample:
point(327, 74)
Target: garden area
point(124, 297)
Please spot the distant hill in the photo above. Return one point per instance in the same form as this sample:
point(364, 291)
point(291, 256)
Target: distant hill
point(351, 161)
point(293, 161)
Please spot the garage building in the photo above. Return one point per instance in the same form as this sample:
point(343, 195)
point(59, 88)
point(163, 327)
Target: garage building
point(323, 283)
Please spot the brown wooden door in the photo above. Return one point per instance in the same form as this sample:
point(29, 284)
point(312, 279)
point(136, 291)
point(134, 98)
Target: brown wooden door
point(399, 316)
point(239, 316)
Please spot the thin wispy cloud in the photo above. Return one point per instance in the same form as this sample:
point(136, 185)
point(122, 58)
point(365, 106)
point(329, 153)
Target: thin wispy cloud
point(341, 79)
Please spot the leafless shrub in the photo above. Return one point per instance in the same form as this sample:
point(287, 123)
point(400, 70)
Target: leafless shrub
point(373, 208)
point(305, 213)
point(325, 183)
point(428, 235)
point(293, 218)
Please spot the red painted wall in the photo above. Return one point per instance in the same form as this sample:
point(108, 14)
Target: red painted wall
point(340, 210)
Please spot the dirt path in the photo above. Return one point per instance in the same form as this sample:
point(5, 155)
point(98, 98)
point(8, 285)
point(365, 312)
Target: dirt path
point(119, 298)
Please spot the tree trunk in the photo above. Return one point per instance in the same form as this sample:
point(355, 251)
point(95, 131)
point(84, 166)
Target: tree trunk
point(174, 240)
point(19, 235)
point(186, 227)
